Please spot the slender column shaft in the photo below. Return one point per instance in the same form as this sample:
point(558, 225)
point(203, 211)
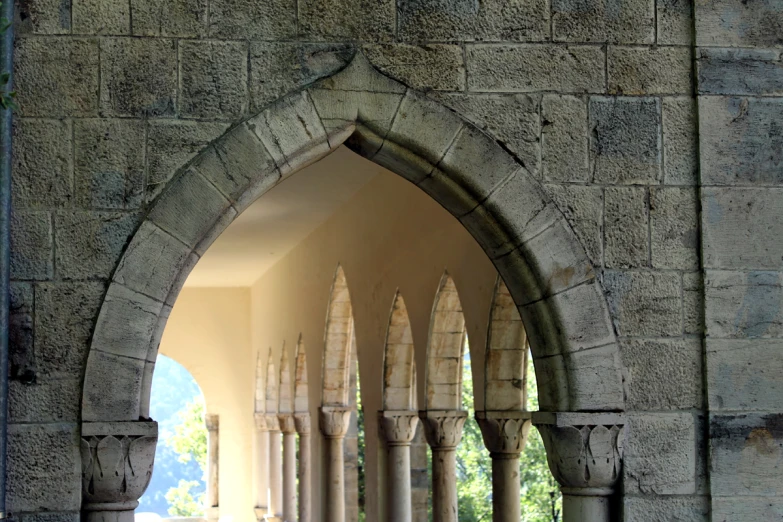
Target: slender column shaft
point(399, 428)
point(289, 467)
point(444, 431)
point(334, 426)
point(505, 488)
point(275, 467)
point(262, 466)
point(302, 421)
point(213, 451)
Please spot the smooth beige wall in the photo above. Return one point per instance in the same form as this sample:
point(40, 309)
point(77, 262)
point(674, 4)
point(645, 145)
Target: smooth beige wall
point(209, 334)
point(390, 235)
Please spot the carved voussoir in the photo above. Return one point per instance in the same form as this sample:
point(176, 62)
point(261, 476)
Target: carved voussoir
point(335, 421)
point(443, 428)
point(398, 426)
point(504, 432)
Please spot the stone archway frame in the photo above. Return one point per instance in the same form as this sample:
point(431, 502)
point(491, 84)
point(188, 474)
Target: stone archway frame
point(529, 241)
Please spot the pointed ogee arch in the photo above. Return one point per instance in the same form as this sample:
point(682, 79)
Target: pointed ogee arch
point(505, 208)
point(286, 386)
point(399, 381)
point(301, 390)
point(337, 344)
point(272, 388)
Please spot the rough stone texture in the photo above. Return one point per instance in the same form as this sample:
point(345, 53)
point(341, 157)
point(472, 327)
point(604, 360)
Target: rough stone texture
point(530, 68)
point(743, 304)
point(728, 23)
point(31, 245)
point(89, 244)
point(626, 232)
point(675, 22)
point(494, 20)
point(108, 163)
point(744, 375)
point(104, 17)
point(213, 80)
point(740, 71)
point(625, 143)
point(138, 77)
point(623, 21)
point(674, 228)
point(42, 17)
point(740, 140)
point(667, 508)
point(57, 77)
point(750, 508)
point(663, 374)
point(730, 216)
point(126, 323)
point(184, 18)
point(171, 144)
point(645, 303)
point(281, 67)
point(564, 128)
point(44, 467)
point(680, 162)
point(20, 334)
point(583, 208)
point(659, 454)
point(693, 303)
point(363, 20)
point(439, 67)
point(52, 400)
point(50, 517)
point(644, 70)
point(43, 163)
point(268, 20)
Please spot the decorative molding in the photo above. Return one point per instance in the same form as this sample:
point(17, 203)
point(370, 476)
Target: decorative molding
point(272, 422)
point(286, 421)
point(584, 450)
point(302, 423)
point(335, 421)
point(504, 432)
point(212, 420)
point(398, 426)
point(116, 467)
point(260, 419)
point(443, 428)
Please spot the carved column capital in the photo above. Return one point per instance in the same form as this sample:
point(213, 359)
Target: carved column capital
point(212, 420)
point(286, 421)
point(443, 428)
point(272, 422)
point(504, 432)
point(398, 426)
point(584, 450)
point(117, 459)
point(302, 423)
point(335, 421)
point(260, 419)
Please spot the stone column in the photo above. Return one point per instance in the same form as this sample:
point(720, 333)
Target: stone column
point(275, 513)
point(334, 426)
point(398, 428)
point(262, 466)
point(585, 452)
point(117, 459)
point(289, 466)
point(213, 466)
point(302, 424)
point(443, 429)
point(505, 435)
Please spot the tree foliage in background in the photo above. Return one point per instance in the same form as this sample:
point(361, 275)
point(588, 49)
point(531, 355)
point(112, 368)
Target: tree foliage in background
point(189, 441)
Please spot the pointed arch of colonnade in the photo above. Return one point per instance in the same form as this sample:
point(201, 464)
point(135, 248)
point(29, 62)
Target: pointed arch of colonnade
point(548, 274)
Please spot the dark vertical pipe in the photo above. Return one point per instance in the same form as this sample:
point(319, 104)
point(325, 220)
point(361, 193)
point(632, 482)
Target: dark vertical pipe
point(6, 132)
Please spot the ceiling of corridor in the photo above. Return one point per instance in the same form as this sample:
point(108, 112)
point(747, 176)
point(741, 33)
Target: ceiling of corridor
point(278, 221)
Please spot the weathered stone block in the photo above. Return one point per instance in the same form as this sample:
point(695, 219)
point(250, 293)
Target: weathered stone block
point(663, 374)
point(250, 19)
point(171, 144)
point(746, 508)
point(126, 323)
point(745, 456)
point(104, 17)
point(42, 17)
point(138, 77)
point(740, 71)
point(740, 140)
point(645, 70)
point(494, 20)
point(32, 255)
point(48, 400)
point(50, 517)
point(363, 20)
point(277, 68)
point(594, 382)
point(623, 21)
point(561, 261)
point(667, 508)
point(732, 215)
point(109, 163)
point(531, 68)
point(183, 18)
point(213, 79)
point(680, 162)
point(89, 244)
point(583, 208)
point(424, 67)
point(64, 317)
point(645, 303)
point(340, 109)
point(660, 456)
point(674, 228)
point(743, 304)
point(564, 128)
point(744, 374)
point(625, 143)
point(675, 22)
point(44, 467)
point(626, 227)
point(731, 24)
point(56, 77)
point(114, 388)
point(20, 334)
point(693, 303)
point(43, 163)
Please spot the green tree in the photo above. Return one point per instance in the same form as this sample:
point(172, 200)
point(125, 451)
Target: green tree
point(189, 441)
point(181, 501)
